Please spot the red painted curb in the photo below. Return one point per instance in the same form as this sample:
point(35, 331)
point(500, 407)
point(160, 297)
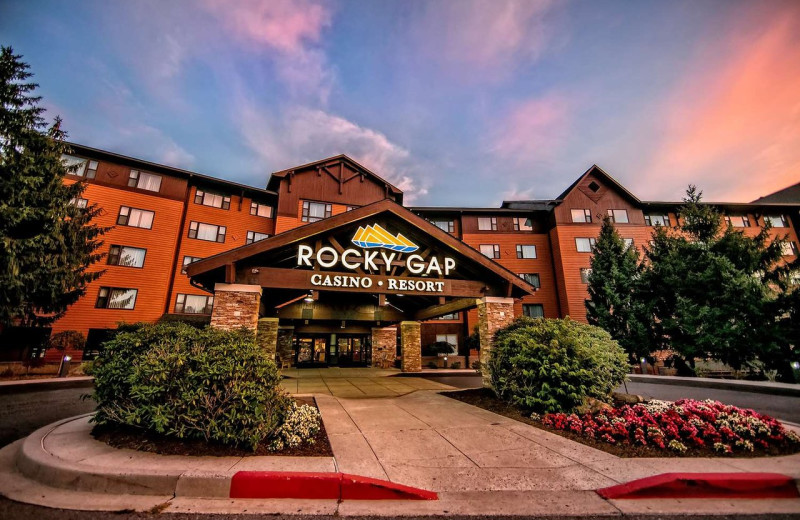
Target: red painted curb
point(706, 485)
point(338, 486)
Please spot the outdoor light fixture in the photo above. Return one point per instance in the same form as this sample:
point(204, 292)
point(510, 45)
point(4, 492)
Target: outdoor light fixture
point(309, 297)
point(67, 358)
point(343, 324)
point(796, 365)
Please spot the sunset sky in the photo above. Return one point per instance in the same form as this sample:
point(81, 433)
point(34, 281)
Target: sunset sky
point(457, 102)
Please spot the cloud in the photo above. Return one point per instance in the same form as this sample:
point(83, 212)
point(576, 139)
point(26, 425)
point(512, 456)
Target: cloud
point(487, 34)
point(732, 122)
point(301, 134)
point(533, 131)
point(291, 30)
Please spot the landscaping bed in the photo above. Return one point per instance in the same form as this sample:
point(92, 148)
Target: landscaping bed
point(703, 428)
point(122, 436)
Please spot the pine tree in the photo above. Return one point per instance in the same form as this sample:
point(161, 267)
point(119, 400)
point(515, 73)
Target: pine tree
point(613, 303)
point(47, 242)
point(711, 288)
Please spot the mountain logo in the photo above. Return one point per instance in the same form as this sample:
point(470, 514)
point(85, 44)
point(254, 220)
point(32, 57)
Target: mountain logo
point(375, 236)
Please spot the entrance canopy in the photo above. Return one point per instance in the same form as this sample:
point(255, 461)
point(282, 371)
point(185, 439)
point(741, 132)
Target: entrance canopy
point(379, 262)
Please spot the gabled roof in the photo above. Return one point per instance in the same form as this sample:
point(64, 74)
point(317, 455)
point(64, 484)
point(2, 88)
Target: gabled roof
point(596, 170)
point(304, 233)
point(275, 178)
point(789, 195)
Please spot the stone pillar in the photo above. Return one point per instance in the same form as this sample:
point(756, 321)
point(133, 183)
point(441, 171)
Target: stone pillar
point(493, 314)
point(235, 305)
point(267, 335)
point(411, 346)
point(384, 341)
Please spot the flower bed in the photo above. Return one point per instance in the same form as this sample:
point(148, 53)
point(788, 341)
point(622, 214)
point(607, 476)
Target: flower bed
point(680, 426)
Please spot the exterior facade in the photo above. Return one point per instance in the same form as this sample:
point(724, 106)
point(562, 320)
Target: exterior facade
point(177, 235)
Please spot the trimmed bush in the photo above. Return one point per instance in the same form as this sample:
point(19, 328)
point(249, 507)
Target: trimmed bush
point(185, 382)
point(545, 365)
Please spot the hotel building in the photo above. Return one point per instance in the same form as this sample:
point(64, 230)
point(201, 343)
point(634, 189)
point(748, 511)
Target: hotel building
point(327, 258)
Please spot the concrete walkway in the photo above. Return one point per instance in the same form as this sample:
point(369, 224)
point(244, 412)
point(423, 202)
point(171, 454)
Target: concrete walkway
point(354, 383)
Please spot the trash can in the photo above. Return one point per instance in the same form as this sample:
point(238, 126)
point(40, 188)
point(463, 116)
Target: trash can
point(63, 370)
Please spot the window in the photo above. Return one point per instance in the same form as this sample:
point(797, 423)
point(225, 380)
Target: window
point(209, 232)
point(252, 236)
point(628, 242)
point(188, 260)
point(581, 215)
point(789, 248)
point(594, 186)
point(449, 338)
point(135, 217)
point(526, 251)
point(144, 181)
point(215, 200)
point(444, 225)
point(314, 211)
point(533, 310)
point(350, 208)
point(656, 220)
point(452, 316)
point(522, 224)
point(91, 170)
point(739, 221)
point(261, 210)
point(193, 304)
point(74, 165)
point(584, 245)
point(126, 256)
point(80, 203)
point(618, 216)
point(777, 220)
point(116, 298)
point(491, 250)
point(531, 278)
point(585, 273)
point(487, 224)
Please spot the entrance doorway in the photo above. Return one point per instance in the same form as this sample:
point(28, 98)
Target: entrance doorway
point(324, 350)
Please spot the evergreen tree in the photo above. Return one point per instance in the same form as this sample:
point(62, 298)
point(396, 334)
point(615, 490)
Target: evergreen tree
point(711, 288)
point(613, 303)
point(47, 242)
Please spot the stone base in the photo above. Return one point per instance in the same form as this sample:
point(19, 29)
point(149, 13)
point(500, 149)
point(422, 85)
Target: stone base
point(267, 335)
point(384, 347)
point(411, 346)
point(235, 306)
point(493, 314)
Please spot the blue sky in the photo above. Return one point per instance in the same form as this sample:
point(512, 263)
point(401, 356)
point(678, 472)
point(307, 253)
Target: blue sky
point(459, 102)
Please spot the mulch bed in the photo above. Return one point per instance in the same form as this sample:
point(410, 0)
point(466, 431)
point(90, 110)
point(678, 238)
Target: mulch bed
point(120, 436)
point(486, 399)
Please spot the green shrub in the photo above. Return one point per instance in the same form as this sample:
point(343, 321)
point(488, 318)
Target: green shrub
point(547, 365)
point(181, 381)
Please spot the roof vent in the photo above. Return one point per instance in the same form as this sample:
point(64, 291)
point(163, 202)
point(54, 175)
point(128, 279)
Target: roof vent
point(594, 186)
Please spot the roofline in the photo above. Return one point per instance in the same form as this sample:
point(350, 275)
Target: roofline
point(730, 204)
point(445, 209)
point(301, 233)
point(592, 168)
point(168, 169)
point(284, 172)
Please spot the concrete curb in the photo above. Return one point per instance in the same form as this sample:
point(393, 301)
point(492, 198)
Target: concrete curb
point(706, 485)
point(36, 463)
point(38, 385)
point(759, 387)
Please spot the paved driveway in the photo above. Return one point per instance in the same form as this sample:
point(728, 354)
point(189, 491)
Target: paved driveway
point(355, 383)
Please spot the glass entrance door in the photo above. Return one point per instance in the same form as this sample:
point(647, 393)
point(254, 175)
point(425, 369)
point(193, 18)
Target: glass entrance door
point(352, 350)
point(311, 350)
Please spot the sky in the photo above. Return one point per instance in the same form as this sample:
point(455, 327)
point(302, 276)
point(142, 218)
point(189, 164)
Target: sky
point(457, 102)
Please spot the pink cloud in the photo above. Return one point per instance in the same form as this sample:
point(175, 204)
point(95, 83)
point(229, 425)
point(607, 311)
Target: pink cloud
point(534, 131)
point(286, 25)
point(732, 124)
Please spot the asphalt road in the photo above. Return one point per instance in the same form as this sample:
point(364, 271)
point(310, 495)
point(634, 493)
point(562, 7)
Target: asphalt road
point(782, 407)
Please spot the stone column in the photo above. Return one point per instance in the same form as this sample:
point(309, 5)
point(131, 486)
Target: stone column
point(493, 314)
point(267, 335)
point(411, 346)
point(384, 340)
point(235, 305)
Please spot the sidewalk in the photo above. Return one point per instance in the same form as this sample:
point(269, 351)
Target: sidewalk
point(480, 463)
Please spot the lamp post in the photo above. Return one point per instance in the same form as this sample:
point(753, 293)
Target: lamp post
point(63, 368)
